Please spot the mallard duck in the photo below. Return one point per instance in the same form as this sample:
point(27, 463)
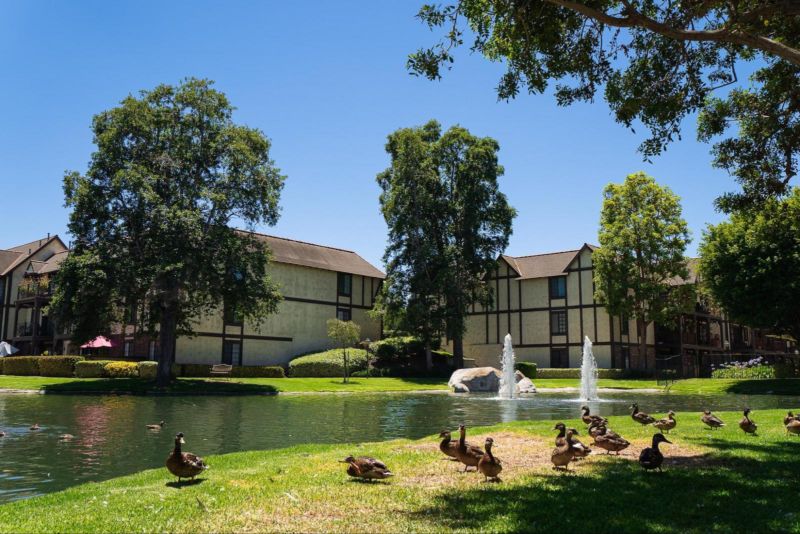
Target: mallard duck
point(184, 464)
point(610, 443)
point(66, 437)
point(562, 431)
point(563, 454)
point(711, 420)
point(651, 457)
point(587, 418)
point(789, 417)
point(2, 434)
point(366, 468)
point(667, 423)
point(746, 424)
point(581, 450)
point(490, 466)
point(467, 454)
point(447, 445)
point(34, 426)
point(641, 417)
point(158, 426)
point(597, 428)
point(793, 426)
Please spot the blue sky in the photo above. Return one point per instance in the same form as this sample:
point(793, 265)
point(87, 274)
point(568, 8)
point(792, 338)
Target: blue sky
point(326, 81)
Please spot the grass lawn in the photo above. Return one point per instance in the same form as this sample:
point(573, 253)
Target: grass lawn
point(699, 386)
point(234, 385)
point(721, 481)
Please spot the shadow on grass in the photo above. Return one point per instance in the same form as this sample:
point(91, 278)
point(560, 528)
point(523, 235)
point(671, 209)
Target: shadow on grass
point(183, 483)
point(138, 386)
point(720, 493)
point(777, 386)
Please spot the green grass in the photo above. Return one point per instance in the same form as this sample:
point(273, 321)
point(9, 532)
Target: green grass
point(714, 481)
point(691, 386)
point(216, 386)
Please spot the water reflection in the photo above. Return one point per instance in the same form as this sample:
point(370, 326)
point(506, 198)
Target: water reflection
point(111, 438)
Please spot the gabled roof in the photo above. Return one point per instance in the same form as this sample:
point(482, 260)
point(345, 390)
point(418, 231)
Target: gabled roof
point(52, 264)
point(23, 252)
point(7, 257)
point(544, 265)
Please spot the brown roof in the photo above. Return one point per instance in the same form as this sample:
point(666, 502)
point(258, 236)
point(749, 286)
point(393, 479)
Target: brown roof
point(543, 265)
point(318, 256)
point(52, 264)
point(8, 257)
point(23, 252)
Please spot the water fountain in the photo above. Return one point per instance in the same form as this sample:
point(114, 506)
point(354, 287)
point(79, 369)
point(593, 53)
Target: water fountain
point(588, 372)
point(508, 380)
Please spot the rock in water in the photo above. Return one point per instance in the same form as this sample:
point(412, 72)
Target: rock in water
point(476, 379)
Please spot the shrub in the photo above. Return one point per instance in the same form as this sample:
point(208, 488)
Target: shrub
point(396, 351)
point(58, 365)
point(328, 363)
point(1, 366)
point(259, 371)
point(526, 368)
point(192, 369)
point(122, 369)
point(21, 365)
point(754, 372)
point(91, 369)
point(575, 372)
point(147, 370)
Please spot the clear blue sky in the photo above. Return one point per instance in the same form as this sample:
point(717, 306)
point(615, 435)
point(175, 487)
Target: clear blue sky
point(326, 81)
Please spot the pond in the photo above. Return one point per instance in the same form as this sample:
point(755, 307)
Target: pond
point(111, 438)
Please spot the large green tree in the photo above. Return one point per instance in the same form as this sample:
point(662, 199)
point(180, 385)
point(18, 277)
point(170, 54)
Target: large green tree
point(448, 221)
point(657, 62)
point(751, 265)
point(641, 264)
point(152, 216)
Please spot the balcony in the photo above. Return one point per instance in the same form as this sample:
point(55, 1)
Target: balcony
point(26, 330)
point(30, 291)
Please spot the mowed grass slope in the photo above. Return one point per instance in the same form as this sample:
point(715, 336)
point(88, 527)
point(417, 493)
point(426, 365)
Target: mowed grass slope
point(721, 481)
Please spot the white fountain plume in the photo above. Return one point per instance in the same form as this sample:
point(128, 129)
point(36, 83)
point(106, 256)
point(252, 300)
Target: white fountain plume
point(588, 372)
point(508, 381)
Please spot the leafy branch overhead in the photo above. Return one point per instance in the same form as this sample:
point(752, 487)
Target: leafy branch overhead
point(657, 62)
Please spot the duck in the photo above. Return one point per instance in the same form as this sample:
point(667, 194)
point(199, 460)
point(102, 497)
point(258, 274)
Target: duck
point(2, 434)
point(746, 424)
point(711, 420)
point(562, 432)
point(66, 437)
point(587, 418)
point(581, 450)
point(366, 468)
point(157, 426)
point(667, 423)
point(35, 426)
point(563, 454)
point(467, 454)
point(793, 426)
point(641, 417)
point(597, 428)
point(447, 445)
point(651, 457)
point(610, 442)
point(490, 466)
point(184, 464)
point(789, 417)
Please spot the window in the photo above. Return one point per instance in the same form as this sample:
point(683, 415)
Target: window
point(127, 348)
point(624, 326)
point(345, 284)
point(232, 315)
point(559, 358)
point(151, 351)
point(558, 287)
point(232, 352)
point(558, 322)
point(343, 314)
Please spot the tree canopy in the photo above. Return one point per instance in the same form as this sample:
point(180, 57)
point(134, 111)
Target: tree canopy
point(152, 217)
point(641, 261)
point(657, 62)
point(751, 265)
point(448, 221)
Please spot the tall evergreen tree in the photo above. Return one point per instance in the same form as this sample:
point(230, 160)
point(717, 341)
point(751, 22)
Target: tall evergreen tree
point(448, 221)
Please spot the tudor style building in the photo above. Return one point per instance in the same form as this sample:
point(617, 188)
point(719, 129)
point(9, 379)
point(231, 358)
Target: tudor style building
point(317, 283)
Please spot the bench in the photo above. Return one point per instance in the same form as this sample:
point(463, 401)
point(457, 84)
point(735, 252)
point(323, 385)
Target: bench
point(221, 369)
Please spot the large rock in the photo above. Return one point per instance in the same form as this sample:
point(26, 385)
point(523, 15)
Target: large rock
point(476, 379)
point(524, 384)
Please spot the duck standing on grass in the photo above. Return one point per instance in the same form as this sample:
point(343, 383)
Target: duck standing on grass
point(610, 441)
point(366, 468)
point(667, 423)
point(581, 450)
point(711, 420)
point(641, 417)
point(746, 424)
point(184, 464)
point(447, 445)
point(651, 458)
point(789, 417)
point(490, 466)
point(562, 432)
point(467, 454)
point(563, 454)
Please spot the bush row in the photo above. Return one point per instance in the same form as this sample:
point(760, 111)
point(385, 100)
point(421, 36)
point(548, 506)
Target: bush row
point(575, 372)
point(328, 364)
point(526, 368)
point(247, 371)
point(40, 365)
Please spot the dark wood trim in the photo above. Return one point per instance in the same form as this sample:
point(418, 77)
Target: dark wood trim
point(580, 297)
point(497, 300)
point(324, 302)
point(508, 301)
point(240, 336)
point(519, 303)
point(540, 309)
point(362, 290)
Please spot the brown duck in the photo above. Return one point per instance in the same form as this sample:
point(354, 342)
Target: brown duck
point(366, 468)
point(711, 420)
point(588, 418)
point(184, 464)
point(793, 426)
point(788, 418)
point(490, 466)
point(563, 454)
point(562, 432)
point(610, 443)
point(667, 423)
point(641, 417)
point(746, 424)
point(597, 428)
point(447, 445)
point(158, 426)
point(581, 450)
point(651, 457)
point(467, 454)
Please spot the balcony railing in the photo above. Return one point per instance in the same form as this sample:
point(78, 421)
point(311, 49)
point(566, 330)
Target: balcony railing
point(26, 330)
point(34, 290)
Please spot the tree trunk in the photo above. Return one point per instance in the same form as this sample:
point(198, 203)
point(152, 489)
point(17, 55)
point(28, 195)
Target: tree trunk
point(428, 358)
point(344, 351)
point(458, 352)
point(641, 327)
point(166, 337)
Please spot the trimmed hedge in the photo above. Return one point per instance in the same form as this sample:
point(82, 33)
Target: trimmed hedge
point(147, 370)
point(396, 351)
point(526, 368)
point(58, 365)
point(21, 365)
point(91, 369)
point(328, 364)
point(122, 369)
point(575, 372)
point(1, 366)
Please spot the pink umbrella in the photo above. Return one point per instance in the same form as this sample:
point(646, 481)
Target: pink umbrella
point(97, 343)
